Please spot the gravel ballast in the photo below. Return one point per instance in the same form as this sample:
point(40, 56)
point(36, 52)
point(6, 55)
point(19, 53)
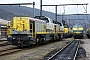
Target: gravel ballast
point(36, 53)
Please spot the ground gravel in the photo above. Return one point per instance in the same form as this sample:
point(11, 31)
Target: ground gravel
point(36, 53)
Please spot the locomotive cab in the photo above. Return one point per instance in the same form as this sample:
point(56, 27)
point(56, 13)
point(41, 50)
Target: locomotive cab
point(78, 30)
point(49, 23)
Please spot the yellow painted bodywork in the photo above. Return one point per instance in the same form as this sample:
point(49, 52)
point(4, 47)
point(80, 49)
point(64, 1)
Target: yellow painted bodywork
point(71, 31)
point(65, 30)
point(9, 25)
point(77, 28)
point(21, 23)
point(24, 23)
point(87, 30)
point(43, 33)
point(77, 32)
point(57, 30)
point(60, 32)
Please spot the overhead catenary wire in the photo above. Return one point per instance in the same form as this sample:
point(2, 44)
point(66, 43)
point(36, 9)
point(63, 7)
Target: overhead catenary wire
point(46, 1)
point(82, 5)
point(2, 0)
point(75, 1)
point(56, 1)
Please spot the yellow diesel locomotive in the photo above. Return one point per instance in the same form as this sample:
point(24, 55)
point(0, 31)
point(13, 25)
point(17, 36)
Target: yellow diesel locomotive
point(78, 31)
point(67, 31)
point(24, 31)
point(88, 32)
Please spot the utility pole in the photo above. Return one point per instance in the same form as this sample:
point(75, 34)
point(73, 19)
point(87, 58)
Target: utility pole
point(33, 9)
point(56, 14)
point(40, 7)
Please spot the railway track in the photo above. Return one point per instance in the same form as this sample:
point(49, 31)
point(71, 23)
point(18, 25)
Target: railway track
point(2, 40)
point(4, 44)
point(9, 51)
point(69, 52)
point(15, 49)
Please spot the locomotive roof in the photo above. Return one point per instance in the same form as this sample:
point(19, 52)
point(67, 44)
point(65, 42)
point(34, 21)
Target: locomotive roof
point(56, 22)
point(77, 25)
point(34, 19)
point(37, 20)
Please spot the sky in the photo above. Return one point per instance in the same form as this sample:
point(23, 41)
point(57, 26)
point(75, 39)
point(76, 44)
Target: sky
point(72, 9)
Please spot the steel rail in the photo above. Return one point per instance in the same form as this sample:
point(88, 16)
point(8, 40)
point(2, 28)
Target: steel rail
point(76, 51)
point(9, 51)
point(59, 51)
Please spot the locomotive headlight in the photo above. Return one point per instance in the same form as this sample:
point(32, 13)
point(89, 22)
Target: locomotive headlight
point(13, 38)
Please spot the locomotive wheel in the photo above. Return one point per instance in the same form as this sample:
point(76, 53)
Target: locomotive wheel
point(37, 41)
point(61, 37)
point(20, 46)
